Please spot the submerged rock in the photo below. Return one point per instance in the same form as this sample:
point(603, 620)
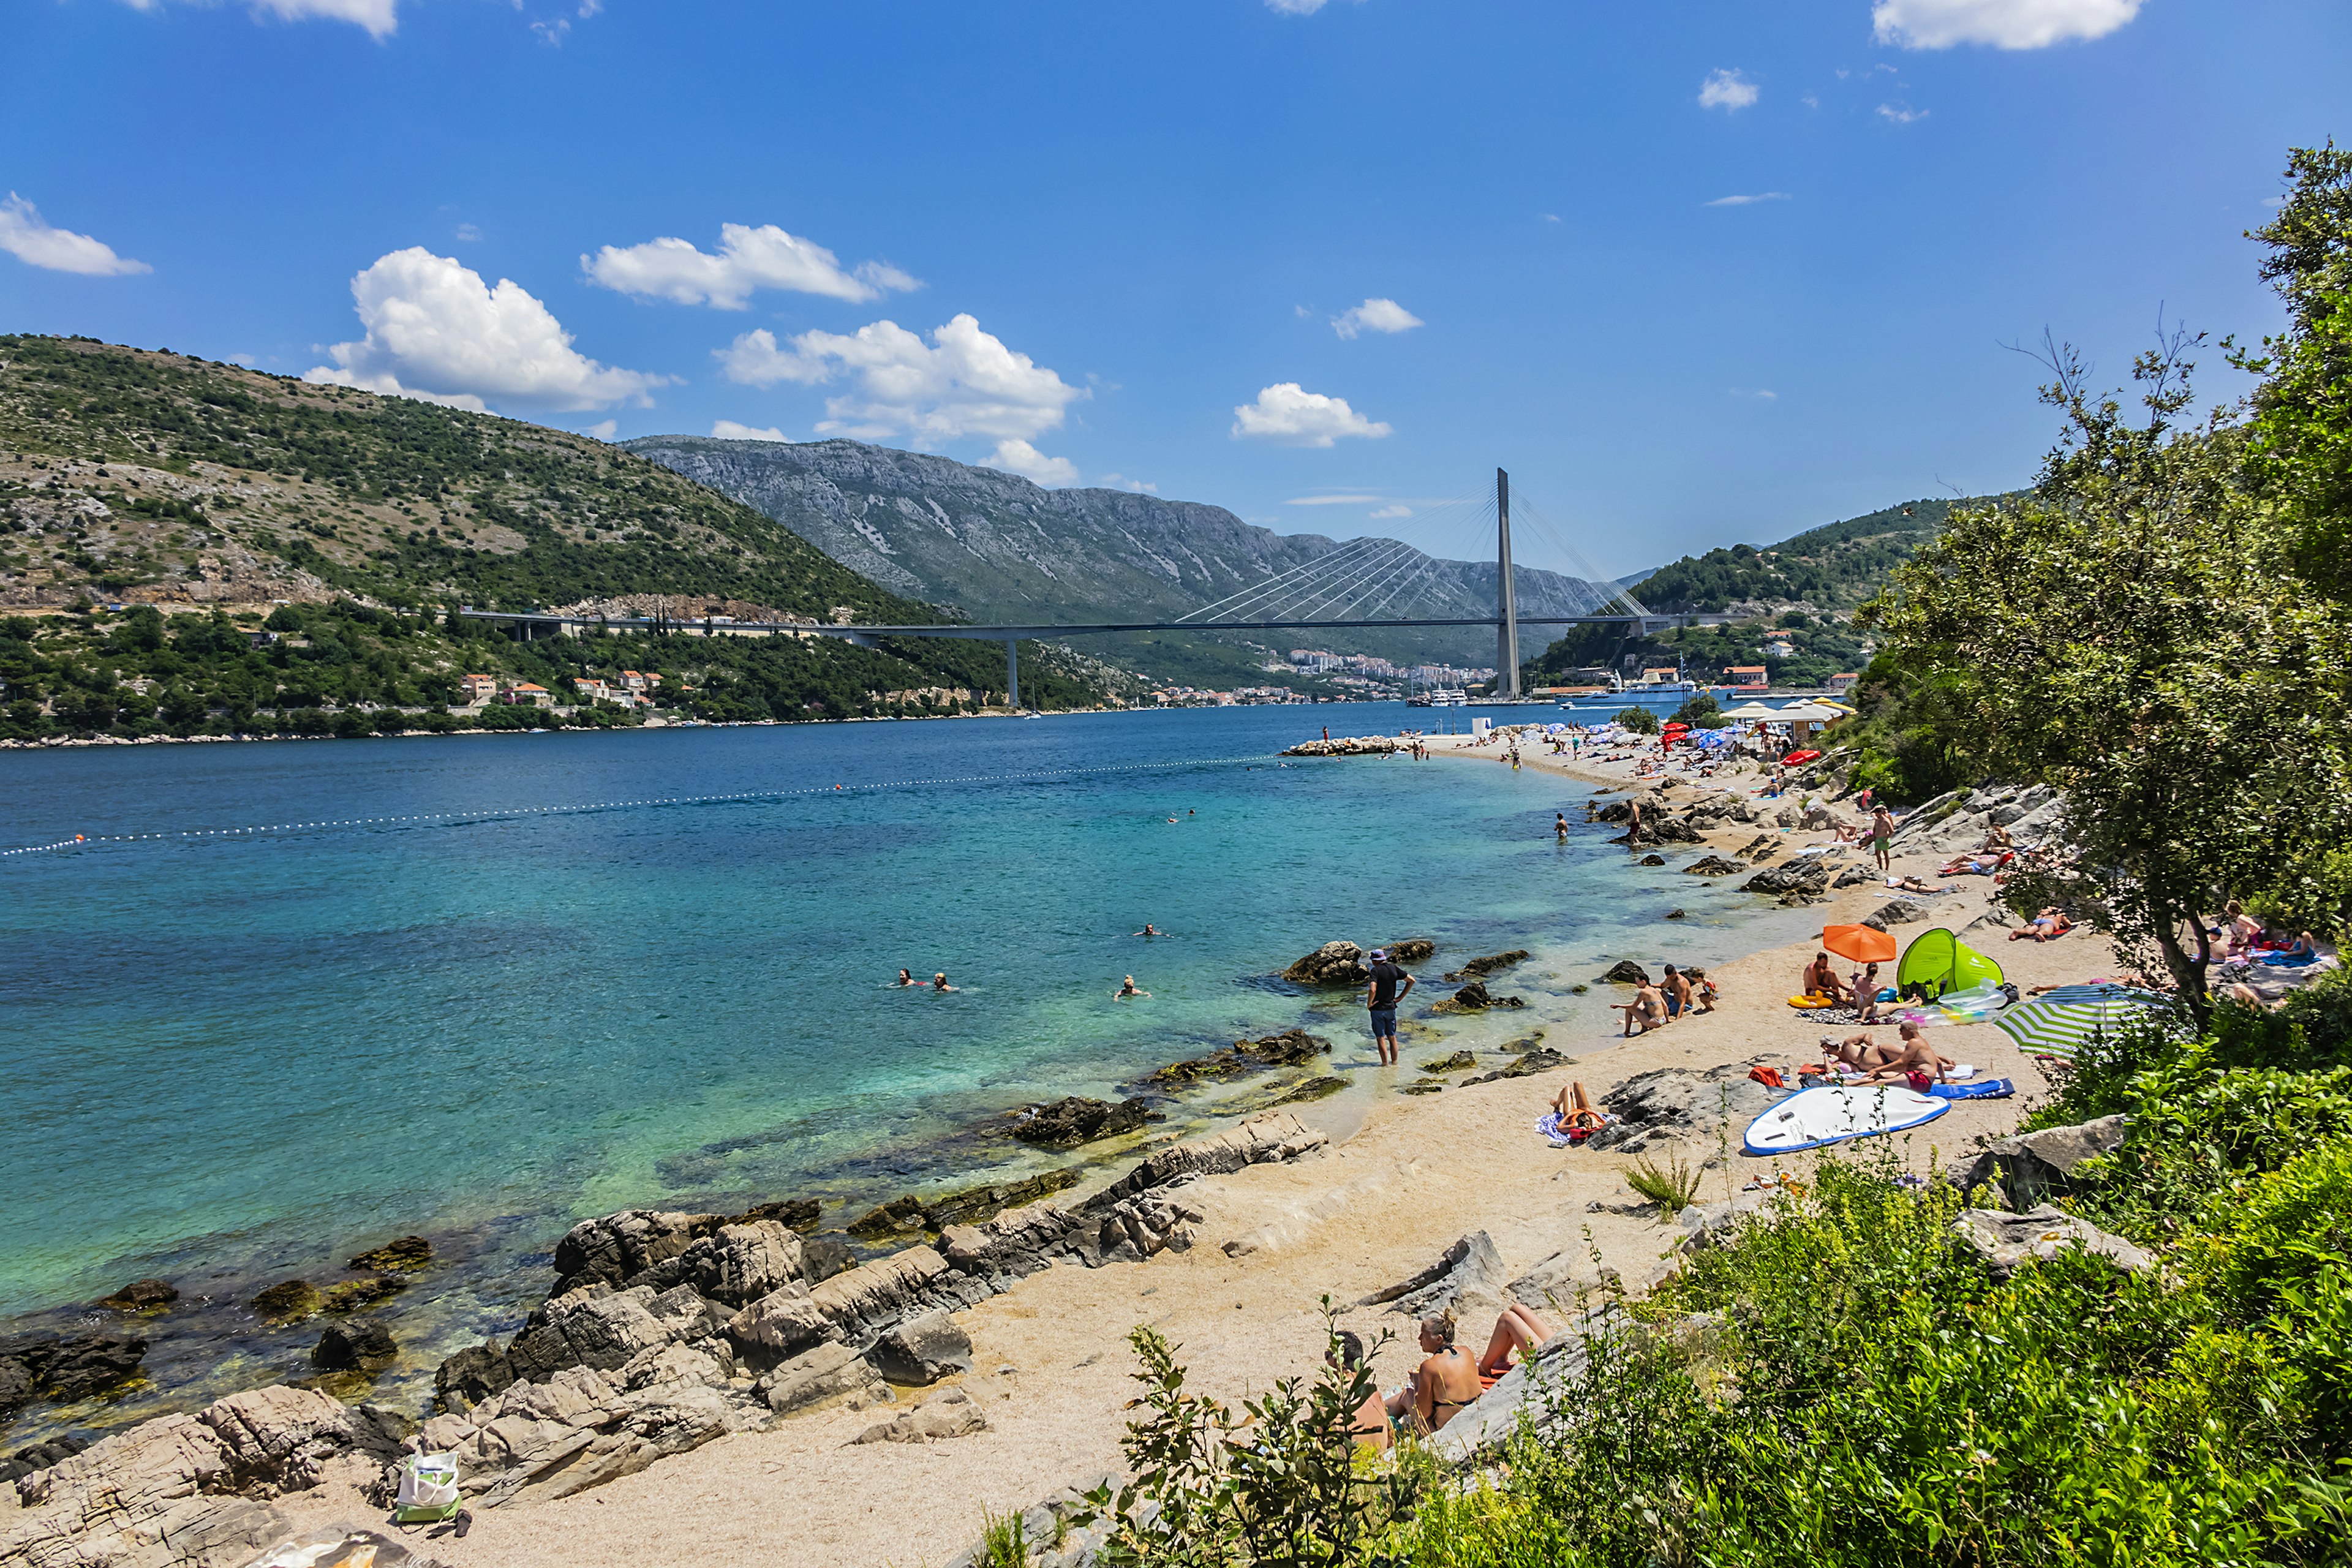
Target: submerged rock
point(1477, 968)
point(1476, 998)
point(1460, 1061)
point(1312, 1089)
point(288, 1302)
point(352, 1294)
point(408, 1252)
point(899, 1216)
point(1409, 949)
point(142, 1296)
point(65, 1367)
point(1652, 859)
point(361, 1345)
point(1071, 1120)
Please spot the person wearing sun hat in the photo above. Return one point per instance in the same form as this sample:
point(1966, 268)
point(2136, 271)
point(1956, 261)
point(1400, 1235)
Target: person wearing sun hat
point(1381, 1000)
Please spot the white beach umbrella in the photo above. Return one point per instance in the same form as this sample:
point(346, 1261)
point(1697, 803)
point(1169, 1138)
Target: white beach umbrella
point(1751, 711)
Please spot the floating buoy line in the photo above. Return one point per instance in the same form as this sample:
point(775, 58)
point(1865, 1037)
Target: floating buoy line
point(499, 814)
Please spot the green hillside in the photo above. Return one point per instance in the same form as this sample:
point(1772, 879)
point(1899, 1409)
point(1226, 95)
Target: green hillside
point(1833, 567)
point(220, 496)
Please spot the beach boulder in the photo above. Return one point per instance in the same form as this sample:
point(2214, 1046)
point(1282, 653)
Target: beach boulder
point(1896, 911)
point(830, 1371)
point(950, 1413)
point(473, 1375)
point(1409, 949)
point(1015, 1243)
point(618, 1249)
point(1469, 1274)
point(1805, 878)
point(1272, 1136)
point(1333, 963)
point(1292, 1047)
point(1712, 865)
point(872, 1297)
point(2031, 1167)
point(1674, 1103)
point(741, 1263)
point(2006, 1240)
point(1067, 1123)
point(922, 1350)
point(1625, 972)
point(1526, 1064)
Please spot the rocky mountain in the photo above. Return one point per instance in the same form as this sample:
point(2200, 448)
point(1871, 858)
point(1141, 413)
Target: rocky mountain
point(998, 548)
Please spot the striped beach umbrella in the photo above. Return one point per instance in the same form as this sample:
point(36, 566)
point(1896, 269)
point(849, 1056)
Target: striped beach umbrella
point(2056, 1022)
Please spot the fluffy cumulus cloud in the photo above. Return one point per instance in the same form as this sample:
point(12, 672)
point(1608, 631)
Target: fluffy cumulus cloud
point(2003, 24)
point(1015, 457)
point(380, 17)
point(727, 430)
point(1729, 90)
point(24, 236)
point(749, 258)
point(1375, 316)
point(1288, 414)
point(964, 382)
point(435, 331)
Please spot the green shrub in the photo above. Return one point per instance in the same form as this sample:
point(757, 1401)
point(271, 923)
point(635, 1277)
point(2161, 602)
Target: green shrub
point(1641, 721)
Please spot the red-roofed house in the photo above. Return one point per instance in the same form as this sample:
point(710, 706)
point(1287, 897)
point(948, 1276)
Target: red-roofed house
point(1747, 677)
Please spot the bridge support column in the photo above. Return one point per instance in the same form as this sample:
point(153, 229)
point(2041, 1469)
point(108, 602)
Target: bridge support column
point(1506, 600)
point(1013, 674)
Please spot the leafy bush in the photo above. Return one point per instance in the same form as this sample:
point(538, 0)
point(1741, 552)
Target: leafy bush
point(1700, 712)
point(1641, 721)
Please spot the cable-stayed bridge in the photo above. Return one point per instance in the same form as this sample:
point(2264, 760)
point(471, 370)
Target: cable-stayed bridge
point(1357, 586)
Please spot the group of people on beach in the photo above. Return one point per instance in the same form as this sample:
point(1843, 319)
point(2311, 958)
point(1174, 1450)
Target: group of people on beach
point(1657, 1003)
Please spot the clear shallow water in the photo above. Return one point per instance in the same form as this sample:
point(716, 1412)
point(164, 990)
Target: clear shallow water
point(237, 1058)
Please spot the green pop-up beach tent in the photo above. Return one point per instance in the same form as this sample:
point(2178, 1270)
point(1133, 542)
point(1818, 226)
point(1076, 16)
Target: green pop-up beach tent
point(1938, 962)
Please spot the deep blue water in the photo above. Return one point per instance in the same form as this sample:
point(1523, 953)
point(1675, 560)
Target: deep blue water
point(229, 1057)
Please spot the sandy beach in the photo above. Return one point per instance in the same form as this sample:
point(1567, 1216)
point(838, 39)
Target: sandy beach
point(1052, 1370)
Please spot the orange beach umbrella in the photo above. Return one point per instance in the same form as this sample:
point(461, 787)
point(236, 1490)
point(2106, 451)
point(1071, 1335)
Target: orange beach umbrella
point(1863, 944)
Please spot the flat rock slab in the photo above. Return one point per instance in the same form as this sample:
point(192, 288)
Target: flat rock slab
point(2004, 1240)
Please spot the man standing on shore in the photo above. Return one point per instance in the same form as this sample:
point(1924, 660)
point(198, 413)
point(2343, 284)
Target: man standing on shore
point(1381, 1000)
point(1882, 834)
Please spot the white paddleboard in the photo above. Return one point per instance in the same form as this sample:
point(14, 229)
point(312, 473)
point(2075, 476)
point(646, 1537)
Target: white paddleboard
point(1819, 1116)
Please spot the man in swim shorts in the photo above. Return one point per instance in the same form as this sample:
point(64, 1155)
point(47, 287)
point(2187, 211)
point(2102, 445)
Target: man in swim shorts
point(1381, 1000)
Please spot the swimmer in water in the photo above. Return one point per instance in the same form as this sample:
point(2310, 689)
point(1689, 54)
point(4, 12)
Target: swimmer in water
point(1151, 930)
point(1127, 989)
point(939, 983)
point(906, 978)
point(1559, 822)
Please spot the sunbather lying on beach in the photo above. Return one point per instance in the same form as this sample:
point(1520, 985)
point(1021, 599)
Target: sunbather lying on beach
point(1913, 1055)
point(1442, 1386)
point(1857, 1053)
point(1517, 1328)
point(2048, 926)
point(1973, 864)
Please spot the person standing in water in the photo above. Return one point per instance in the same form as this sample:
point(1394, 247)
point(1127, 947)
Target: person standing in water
point(1381, 1000)
point(1559, 823)
point(1127, 989)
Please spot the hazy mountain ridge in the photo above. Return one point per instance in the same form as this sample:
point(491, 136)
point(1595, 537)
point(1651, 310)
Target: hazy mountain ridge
point(997, 547)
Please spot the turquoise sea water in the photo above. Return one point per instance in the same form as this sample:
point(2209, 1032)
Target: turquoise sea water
point(236, 1058)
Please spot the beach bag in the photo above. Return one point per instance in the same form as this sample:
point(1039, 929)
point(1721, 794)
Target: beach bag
point(428, 1490)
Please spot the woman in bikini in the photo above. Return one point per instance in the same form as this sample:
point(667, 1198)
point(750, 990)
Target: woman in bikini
point(1517, 1328)
point(1442, 1386)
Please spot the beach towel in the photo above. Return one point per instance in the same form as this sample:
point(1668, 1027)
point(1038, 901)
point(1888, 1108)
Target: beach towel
point(1992, 1088)
point(2285, 961)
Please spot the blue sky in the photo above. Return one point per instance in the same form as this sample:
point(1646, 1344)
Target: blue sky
point(1254, 252)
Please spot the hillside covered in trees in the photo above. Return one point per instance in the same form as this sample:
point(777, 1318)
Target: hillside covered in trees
point(1833, 567)
point(138, 478)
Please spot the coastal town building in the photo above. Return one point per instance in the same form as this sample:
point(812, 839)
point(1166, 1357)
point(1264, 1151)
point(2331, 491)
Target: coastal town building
point(480, 688)
point(529, 694)
point(1839, 685)
point(1747, 677)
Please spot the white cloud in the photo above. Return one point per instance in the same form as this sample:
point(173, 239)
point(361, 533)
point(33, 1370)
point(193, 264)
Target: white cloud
point(727, 430)
point(748, 258)
point(1761, 394)
point(1903, 116)
point(604, 429)
point(1015, 457)
point(1749, 201)
point(970, 384)
point(435, 331)
point(467, 232)
point(1551, 217)
point(1729, 90)
point(1289, 416)
point(553, 32)
point(380, 17)
point(24, 236)
point(1295, 7)
point(1375, 316)
point(2003, 24)
point(1391, 511)
point(1120, 481)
